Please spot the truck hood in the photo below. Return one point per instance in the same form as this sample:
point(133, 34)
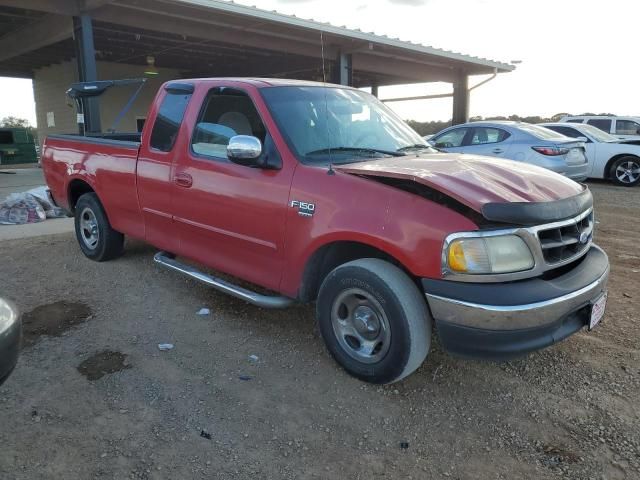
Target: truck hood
point(475, 181)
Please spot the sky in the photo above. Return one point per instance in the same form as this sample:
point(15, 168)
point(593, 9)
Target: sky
point(577, 55)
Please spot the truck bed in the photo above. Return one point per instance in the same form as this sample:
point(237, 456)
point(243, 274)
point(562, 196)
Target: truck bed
point(107, 163)
point(102, 138)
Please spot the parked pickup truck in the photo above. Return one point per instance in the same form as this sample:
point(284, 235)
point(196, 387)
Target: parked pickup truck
point(319, 192)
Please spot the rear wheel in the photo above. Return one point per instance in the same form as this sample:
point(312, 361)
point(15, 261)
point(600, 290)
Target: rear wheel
point(626, 171)
point(374, 320)
point(97, 240)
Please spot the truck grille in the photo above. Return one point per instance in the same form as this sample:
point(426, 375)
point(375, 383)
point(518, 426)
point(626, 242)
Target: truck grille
point(565, 241)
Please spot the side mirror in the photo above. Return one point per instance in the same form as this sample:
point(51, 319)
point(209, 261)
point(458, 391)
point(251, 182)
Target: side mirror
point(10, 332)
point(245, 150)
point(582, 139)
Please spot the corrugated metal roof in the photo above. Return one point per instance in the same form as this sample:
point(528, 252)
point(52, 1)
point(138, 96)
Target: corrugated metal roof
point(292, 20)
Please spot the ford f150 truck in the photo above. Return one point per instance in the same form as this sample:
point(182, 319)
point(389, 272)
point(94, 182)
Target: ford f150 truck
point(319, 192)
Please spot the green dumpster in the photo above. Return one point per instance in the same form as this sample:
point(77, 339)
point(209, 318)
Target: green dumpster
point(17, 145)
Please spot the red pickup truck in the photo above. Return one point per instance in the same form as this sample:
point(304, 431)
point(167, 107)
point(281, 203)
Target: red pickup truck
point(318, 192)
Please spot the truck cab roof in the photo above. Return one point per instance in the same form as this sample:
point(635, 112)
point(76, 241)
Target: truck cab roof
point(264, 82)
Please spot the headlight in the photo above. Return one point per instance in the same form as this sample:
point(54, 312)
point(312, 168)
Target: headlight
point(478, 255)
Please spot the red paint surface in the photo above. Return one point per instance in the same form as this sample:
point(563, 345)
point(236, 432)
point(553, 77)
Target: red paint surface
point(238, 219)
point(474, 180)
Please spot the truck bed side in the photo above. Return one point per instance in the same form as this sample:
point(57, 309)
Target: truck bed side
point(73, 164)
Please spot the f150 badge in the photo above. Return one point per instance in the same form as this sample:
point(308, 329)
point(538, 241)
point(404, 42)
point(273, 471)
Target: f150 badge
point(305, 209)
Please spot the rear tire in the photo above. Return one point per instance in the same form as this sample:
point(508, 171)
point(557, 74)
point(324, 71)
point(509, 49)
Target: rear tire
point(97, 239)
point(374, 320)
point(625, 171)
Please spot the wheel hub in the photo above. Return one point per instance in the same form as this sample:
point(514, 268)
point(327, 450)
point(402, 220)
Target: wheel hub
point(360, 325)
point(628, 172)
point(366, 321)
point(89, 228)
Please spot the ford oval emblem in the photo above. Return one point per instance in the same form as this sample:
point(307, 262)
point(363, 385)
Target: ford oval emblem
point(584, 238)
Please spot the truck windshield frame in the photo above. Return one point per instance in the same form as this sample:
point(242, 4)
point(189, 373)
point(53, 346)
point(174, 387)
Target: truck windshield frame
point(331, 124)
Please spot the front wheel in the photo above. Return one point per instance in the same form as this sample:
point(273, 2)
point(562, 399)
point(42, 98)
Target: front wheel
point(374, 320)
point(97, 239)
point(626, 171)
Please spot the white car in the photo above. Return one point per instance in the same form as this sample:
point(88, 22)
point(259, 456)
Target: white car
point(627, 128)
point(609, 157)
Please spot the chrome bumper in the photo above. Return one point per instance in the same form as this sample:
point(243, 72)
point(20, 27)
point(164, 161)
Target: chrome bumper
point(575, 289)
point(514, 317)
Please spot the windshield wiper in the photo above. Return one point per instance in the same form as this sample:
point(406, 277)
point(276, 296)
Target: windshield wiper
point(415, 146)
point(356, 150)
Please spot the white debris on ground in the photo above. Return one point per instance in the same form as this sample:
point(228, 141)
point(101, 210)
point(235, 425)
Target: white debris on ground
point(203, 311)
point(32, 206)
point(163, 347)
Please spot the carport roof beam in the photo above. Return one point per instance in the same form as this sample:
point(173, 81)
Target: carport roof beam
point(292, 20)
point(46, 31)
point(261, 35)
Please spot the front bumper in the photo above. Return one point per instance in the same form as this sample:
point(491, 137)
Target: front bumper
point(10, 331)
point(502, 321)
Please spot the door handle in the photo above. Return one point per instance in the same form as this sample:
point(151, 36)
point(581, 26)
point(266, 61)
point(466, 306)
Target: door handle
point(497, 150)
point(183, 180)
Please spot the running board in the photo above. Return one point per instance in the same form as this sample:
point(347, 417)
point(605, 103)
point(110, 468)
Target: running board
point(265, 301)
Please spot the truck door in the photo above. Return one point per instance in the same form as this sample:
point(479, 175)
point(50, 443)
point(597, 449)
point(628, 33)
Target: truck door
point(230, 217)
point(155, 162)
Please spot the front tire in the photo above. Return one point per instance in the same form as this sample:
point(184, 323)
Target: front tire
point(626, 171)
point(374, 320)
point(97, 239)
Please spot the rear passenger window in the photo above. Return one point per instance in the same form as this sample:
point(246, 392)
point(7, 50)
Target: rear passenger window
point(566, 131)
point(168, 120)
point(627, 127)
point(601, 123)
point(226, 112)
point(482, 135)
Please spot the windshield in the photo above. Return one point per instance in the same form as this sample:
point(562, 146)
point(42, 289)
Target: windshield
point(597, 134)
point(338, 124)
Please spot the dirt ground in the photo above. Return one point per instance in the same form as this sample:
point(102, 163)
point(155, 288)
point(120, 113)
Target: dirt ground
point(94, 397)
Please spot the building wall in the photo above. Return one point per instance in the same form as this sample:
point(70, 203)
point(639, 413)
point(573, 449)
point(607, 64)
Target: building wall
point(51, 83)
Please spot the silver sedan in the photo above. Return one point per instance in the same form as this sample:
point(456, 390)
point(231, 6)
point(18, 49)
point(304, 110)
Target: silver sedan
point(517, 141)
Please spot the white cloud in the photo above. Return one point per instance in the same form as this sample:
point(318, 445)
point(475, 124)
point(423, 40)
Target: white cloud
point(411, 3)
